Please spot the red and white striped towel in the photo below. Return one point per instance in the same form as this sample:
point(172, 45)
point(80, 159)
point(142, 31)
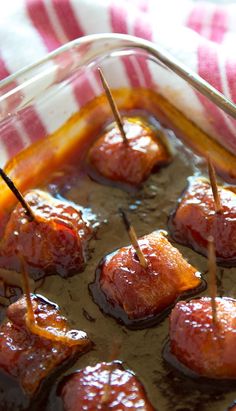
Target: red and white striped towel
point(200, 34)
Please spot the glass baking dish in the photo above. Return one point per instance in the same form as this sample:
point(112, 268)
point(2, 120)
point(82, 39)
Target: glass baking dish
point(38, 100)
point(48, 109)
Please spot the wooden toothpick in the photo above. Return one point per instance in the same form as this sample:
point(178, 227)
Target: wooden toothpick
point(212, 277)
point(52, 334)
point(214, 187)
point(18, 195)
point(26, 289)
point(133, 239)
point(113, 105)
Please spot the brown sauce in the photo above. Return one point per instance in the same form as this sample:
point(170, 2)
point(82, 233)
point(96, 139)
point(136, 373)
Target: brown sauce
point(141, 350)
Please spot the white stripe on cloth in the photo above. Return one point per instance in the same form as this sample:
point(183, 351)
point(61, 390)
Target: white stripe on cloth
point(55, 112)
point(93, 16)
point(61, 35)
point(20, 43)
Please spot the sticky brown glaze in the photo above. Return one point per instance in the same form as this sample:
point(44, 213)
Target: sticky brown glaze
point(195, 220)
point(205, 348)
point(55, 242)
point(128, 162)
point(30, 358)
point(106, 386)
point(141, 292)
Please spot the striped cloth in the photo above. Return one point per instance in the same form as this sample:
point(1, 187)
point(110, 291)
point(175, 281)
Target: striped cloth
point(200, 34)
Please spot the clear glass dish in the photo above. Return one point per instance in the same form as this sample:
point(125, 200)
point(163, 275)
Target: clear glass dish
point(48, 109)
point(38, 100)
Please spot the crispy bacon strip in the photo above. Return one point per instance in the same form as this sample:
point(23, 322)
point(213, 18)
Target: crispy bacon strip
point(146, 291)
point(195, 219)
point(31, 351)
point(206, 348)
point(129, 163)
point(54, 242)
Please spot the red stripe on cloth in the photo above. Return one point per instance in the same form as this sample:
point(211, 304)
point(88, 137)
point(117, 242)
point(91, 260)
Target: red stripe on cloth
point(231, 76)
point(143, 30)
point(14, 99)
point(207, 16)
point(3, 70)
point(41, 21)
point(83, 89)
point(32, 124)
point(82, 86)
point(219, 25)
point(195, 19)
point(208, 68)
point(67, 19)
point(118, 16)
point(131, 71)
point(27, 117)
point(10, 138)
point(208, 65)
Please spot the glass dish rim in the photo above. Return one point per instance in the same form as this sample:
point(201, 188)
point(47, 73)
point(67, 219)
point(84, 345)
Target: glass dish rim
point(129, 42)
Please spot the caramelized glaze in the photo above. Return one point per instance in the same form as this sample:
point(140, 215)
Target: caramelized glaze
point(54, 242)
point(195, 219)
point(130, 161)
point(204, 347)
point(141, 296)
point(29, 357)
point(141, 350)
point(84, 390)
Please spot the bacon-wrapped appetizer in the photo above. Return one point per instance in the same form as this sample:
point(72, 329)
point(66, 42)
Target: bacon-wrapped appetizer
point(130, 161)
point(54, 241)
point(204, 346)
point(138, 294)
point(195, 219)
point(129, 151)
point(30, 351)
point(106, 386)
